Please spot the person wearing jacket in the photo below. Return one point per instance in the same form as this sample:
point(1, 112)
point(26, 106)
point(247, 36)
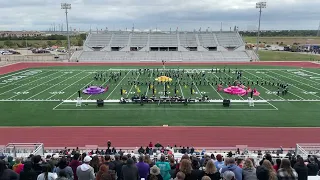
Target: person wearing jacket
point(301, 169)
point(28, 173)
point(7, 174)
point(130, 171)
point(74, 164)
point(85, 171)
point(63, 166)
point(164, 168)
point(248, 171)
point(286, 172)
point(231, 166)
point(313, 167)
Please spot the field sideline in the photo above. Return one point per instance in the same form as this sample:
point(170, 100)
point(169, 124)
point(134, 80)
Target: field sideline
point(298, 83)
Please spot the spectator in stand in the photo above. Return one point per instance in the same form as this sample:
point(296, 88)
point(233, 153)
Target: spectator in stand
point(108, 162)
point(74, 164)
point(185, 156)
point(109, 144)
point(219, 163)
point(130, 171)
point(95, 163)
point(46, 173)
point(7, 174)
point(173, 165)
point(211, 171)
point(239, 162)
point(154, 174)
point(263, 173)
point(248, 170)
point(103, 169)
point(18, 166)
point(277, 165)
point(148, 160)
point(117, 164)
point(141, 150)
point(143, 168)
point(28, 173)
point(62, 176)
point(231, 166)
point(63, 166)
point(313, 167)
point(85, 171)
point(267, 157)
point(164, 168)
point(186, 168)
point(180, 176)
point(272, 172)
point(301, 169)
point(229, 175)
point(196, 173)
point(36, 160)
point(10, 162)
point(53, 161)
point(286, 172)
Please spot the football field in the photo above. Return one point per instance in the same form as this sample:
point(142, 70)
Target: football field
point(47, 96)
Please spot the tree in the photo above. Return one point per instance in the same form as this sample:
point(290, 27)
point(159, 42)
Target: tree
point(50, 43)
point(8, 43)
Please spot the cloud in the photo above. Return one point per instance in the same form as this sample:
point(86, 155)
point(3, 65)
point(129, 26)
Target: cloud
point(185, 14)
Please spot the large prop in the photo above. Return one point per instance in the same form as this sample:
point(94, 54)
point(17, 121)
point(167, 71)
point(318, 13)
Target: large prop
point(92, 90)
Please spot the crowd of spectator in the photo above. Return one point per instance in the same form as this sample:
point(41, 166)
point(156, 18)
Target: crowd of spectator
point(120, 166)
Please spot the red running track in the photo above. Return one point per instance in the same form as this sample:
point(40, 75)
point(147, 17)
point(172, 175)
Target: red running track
point(137, 136)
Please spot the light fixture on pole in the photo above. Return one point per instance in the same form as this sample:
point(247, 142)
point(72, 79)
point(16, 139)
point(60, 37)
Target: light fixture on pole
point(67, 6)
point(259, 5)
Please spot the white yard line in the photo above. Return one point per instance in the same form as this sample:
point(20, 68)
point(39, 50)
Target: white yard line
point(278, 79)
point(52, 86)
point(71, 95)
point(38, 85)
point(5, 76)
point(310, 72)
point(260, 85)
point(18, 81)
point(295, 80)
point(118, 84)
point(29, 83)
point(196, 86)
point(69, 86)
point(180, 89)
point(133, 85)
point(315, 82)
point(214, 89)
point(296, 86)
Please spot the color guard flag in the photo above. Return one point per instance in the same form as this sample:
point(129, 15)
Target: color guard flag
point(185, 86)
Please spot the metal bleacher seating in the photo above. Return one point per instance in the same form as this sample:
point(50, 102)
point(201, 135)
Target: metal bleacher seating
point(169, 46)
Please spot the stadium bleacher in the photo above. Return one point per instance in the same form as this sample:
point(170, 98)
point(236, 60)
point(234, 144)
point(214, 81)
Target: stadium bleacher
point(170, 46)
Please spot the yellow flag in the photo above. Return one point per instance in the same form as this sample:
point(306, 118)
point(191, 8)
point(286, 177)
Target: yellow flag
point(168, 86)
point(138, 90)
point(124, 91)
point(185, 86)
point(155, 91)
point(151, 86)
point(193, 91)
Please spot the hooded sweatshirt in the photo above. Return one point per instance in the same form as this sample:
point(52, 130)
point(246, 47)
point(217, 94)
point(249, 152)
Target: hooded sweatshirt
point(235, 169)
point(85, 172)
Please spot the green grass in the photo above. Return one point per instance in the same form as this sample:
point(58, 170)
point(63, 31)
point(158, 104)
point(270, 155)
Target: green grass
point(285, 40)
point(68, 80)
point(286, 56)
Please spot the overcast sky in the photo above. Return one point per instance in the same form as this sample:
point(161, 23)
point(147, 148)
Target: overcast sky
point(161, 14)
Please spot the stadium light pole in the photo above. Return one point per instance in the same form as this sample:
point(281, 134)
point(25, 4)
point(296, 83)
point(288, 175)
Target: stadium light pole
point(67, 6)
point(259, 5)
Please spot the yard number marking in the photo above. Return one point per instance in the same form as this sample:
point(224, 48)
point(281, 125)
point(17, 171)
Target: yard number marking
point(56, 92)
point(24, 92)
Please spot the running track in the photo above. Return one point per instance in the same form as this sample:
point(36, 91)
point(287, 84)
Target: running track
point(137, 136)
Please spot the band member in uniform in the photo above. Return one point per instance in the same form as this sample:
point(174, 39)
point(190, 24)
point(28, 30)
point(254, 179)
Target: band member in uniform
point(121, 91)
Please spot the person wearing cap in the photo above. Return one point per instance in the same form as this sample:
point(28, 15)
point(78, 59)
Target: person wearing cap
point(231, 166)
point(85, 171)
point(229, 175)
point(219, 163)
point(154, 173)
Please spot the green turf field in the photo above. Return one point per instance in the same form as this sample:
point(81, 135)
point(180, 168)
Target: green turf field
point(47, 97)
